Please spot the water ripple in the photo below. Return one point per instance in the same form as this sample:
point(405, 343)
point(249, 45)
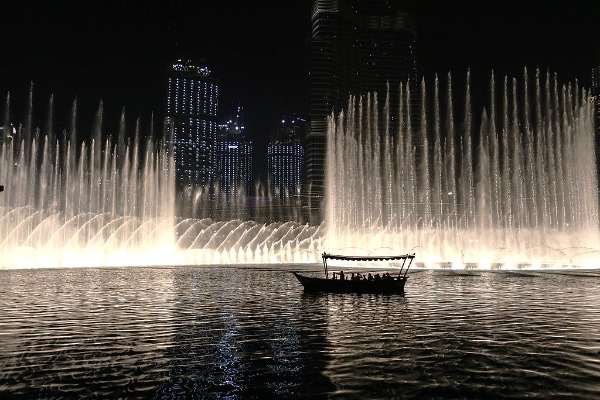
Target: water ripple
point(252, 333)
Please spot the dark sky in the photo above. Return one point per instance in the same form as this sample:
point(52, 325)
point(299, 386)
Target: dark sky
point(118, 50)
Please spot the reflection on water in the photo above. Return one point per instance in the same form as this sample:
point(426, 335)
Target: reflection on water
point(252, 333)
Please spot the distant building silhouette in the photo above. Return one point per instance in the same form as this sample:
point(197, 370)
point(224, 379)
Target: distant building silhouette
point(191, 122)
point(234, 158)
point(357, 47)
point(286, 159)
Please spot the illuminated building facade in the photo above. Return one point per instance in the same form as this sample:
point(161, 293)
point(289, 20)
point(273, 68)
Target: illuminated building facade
point(234, 158)
point(356, 47)
point(285, 163)
point(191, 122)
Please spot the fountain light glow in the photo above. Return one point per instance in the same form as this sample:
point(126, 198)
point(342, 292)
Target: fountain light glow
point(514, 189)
point(517, 191)
point(112, 204)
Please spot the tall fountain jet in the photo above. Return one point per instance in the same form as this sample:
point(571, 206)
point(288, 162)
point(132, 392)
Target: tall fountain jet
point(111, 202)
point(517, 189)
point(97, 203)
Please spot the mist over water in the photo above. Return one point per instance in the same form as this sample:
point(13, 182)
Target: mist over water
point(519, 189)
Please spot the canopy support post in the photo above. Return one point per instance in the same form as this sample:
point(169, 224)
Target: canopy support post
point(409, 264)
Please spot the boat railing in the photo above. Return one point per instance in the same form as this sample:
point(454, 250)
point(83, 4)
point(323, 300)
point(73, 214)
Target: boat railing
point(405, 258)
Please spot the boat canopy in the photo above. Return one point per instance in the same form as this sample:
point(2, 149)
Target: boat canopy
point(367, 258)
point(402, 257)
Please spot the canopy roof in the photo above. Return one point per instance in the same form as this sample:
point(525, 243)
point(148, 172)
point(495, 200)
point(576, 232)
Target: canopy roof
point(367, 258)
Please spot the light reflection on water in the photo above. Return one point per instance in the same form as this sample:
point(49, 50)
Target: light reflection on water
point(215, 332)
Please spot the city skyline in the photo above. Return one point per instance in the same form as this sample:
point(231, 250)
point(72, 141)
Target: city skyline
point(118, 52)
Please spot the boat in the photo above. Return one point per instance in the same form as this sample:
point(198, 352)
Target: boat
point(357, 282)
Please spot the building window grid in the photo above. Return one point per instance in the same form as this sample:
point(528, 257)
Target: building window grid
point(190, 138)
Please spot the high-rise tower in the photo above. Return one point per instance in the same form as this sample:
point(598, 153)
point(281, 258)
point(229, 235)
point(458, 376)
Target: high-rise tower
point(357, 47)
point(235, 158)
point(388, 51)
point(334, 75)
point(286, 159)
point(191, 122)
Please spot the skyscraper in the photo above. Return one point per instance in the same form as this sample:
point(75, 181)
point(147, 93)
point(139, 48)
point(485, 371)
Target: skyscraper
point(191, 122)
point(235, 158)
point(285, 162)
point(334, 75)
point(388, 50)
point(357, 47)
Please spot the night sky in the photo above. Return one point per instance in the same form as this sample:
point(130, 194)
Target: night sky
point(118, 51)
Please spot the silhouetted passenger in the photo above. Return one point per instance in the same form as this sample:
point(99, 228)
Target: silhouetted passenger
point(342, 275)
point(370, 277)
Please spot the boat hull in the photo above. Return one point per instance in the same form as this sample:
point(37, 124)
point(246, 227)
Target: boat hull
point(389, 286)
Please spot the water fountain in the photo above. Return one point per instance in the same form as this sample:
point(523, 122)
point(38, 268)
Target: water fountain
point(111, 203)
point(518, 190)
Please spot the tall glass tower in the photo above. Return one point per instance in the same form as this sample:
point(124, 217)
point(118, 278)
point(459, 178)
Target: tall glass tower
point(334, 75)
point(191, 122)
point(285, 161)
point(235, 158)
point(357, 47)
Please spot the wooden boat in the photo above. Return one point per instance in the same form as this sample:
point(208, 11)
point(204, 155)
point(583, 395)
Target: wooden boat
point(356, 282)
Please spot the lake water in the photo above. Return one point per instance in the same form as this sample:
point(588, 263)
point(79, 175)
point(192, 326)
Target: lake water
point(250, 332)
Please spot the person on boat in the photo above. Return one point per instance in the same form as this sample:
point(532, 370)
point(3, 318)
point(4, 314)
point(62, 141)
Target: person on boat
point(377, 277)
point(370, 277)
point(342, 275)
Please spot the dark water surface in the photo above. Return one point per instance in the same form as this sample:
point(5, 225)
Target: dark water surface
point(239, 333)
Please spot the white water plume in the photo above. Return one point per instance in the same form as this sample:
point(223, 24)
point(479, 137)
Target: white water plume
point(112, 204)
point(518, 190)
